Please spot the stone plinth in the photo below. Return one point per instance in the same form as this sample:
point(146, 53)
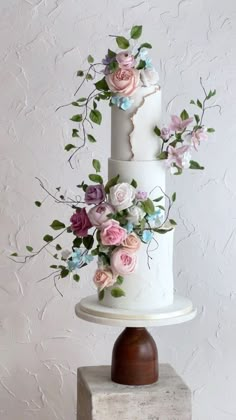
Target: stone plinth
point(101, 399)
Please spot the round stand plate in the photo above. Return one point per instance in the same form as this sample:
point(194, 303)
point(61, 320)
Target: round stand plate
point(89, 309)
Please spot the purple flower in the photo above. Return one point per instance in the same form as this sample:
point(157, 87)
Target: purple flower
point(178, 156)
point(165, 133)
point(141, 195)
point(177, 124)
point(80, 223)
point(95, 194)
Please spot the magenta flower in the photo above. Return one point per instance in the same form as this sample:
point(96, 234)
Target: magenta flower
point(179, 156)
point(177, 124)
point(95, 194)
point(80, 223)
point(198, 136)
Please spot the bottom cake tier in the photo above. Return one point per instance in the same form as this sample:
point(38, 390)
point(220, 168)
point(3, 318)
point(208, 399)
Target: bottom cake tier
point(151, 286)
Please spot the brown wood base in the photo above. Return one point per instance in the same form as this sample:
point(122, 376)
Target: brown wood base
point(134, 358)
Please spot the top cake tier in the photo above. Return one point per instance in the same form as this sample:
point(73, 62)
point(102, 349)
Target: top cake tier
point(132, 131)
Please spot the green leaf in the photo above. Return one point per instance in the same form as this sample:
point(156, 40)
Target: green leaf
point(210, 130)
point(117, 292)
point(199, 104)
point(88, 241)
point(81, 99)
point(210, 94)
point(158, 199)
point(136, 32)
point(48, 238)
point(57, 225)
point(94, 252)
point(68, 147)
point(101, 85)
point(80, 73)
point(75, 132)
point(111, 53)
point(96, 178)
point(58, 247)
point(122, 42)
point(74, 103)
point(90, 59)
point(64, 272)
point(91, 138)
point(197, 118)
point(172, 222)
point(192, 102)
point(195, 165)
point(89, 77)
point(173, 198)
point(76, 277)
point(111, 183)
point(162, 231)
point(162, 156)
point(95, 116)
point(157, 131)
point(113, 66)
point(119, 280)
point(77, 118)
point(96, 165)
point(184, 115)
point(29, 248)
point(14, 254)
point(77, 242)
point(134, 183)
point(38, 203)
point(148, 206)
point(161, 207)
point(53, 266)
point(141, 65)
point(101, 294)
point(145, 45)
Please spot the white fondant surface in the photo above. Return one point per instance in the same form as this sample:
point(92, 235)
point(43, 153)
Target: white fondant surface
point(132, 135)
point(180, 311)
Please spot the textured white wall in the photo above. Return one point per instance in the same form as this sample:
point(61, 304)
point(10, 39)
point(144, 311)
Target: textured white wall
point(42, 44)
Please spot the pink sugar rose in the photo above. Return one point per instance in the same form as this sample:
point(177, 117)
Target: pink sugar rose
point(123, 81)
point(104, 278)
point(132, 242)
point(122, 196)
point(112, 233)
point(123, 261)
point(98, 214)
point(177, 124)
point(95, 194)
point(80, 223)
point(125, 60)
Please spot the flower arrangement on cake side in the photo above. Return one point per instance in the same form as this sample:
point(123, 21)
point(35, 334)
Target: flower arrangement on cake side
point(115, 218)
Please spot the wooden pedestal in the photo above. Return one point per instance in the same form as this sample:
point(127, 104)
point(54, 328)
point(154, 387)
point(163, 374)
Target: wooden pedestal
point(134, 358)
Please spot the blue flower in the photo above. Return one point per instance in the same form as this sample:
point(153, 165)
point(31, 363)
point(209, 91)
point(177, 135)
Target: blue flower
point(122, 102)
point(156, 217)
point(78, 259)
point(147, 236)
point(129, 227)
point(148, 62)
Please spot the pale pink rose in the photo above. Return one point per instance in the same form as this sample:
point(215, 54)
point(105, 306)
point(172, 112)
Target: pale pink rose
point(122, 195)
point(112, 233)
point(132, 242)
point(104, 278)
point(198, 136)
point(123, 81)
point(125, 60)
point(123, 261)
point(177, 124)
point(179, 155)
point(98, 214)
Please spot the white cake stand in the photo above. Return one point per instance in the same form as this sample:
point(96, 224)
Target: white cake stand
point(135, 355)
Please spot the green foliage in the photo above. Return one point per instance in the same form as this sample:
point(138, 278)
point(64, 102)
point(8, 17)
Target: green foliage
point(184, 115)
point(75, 132)
point(38, 203)
point(117, 292)
point(122, 42)
point(148, 206)
point(77, 118)
point(199, 104)
point(134, 183)
point(68, 147)
point(76, 277)
point(96, 178)
point(162, 231)
point(145, 45)
point(95, 116)
point(173, 198)
point(77, 242)
point(14, 254)
point(192, 102)
point(162, 156)
point(210, 94)
point(64, 272)
point(141, 65)
point(172, 222)
point(157, 131)
point(80, 73)
point(111, 53)
point(97, 165)
point(91, 138)
point(58, 247)
point(111, 183)
point(101, 85)
point(158, 199)
point(88, 241)
point(113, 66)
point(48, 238)
point(136, 32)
point(89, 77)
point(53, 266)
point(195, 165)
point(29, 248)
point(90, 59)
point(119, 280)
point(197, 118)
point(57, 225)
point(101, 295)
point(210, 130)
